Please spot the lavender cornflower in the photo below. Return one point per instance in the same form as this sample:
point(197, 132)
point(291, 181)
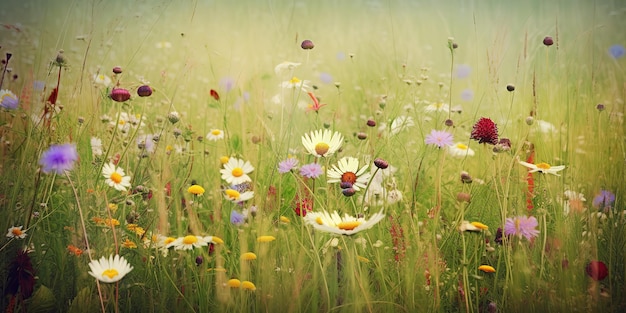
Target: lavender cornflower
point(8, 100)
point(236, 218)
point(617, 51)
point(287, 165)
point(312, 170)
point(59, 158)
point(604, 200)
point(439, 137)
point(522, 226)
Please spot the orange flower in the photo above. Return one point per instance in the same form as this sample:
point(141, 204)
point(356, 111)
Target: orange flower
point(74, 250)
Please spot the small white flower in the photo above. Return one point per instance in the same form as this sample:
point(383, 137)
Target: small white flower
point(16, 232)
point(460, 150)
point(109, 270)
point(115, 177)
point(101, 79)
point(348, 225)
point(96, 146)
point(322, 143)
point(347, 171)
point(543, 168)
point(285, 68)
point(236, 171)
point(215, 134)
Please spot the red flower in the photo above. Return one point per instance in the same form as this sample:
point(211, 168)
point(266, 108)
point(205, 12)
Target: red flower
point(215, 95)
point(52, 99)
point(397, 236)
point(597, 270)
point(302, 205)
point(21, 276)
point(316, 106)
point(485, 131)
point(120, 94)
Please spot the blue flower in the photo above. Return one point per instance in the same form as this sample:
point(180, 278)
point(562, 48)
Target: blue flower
point(8, 100)
point(59, 158)
point(604, 200)
point(287, 165)
point(312, 170)
point(617, 51)
point(237, 218)
point(463, 71)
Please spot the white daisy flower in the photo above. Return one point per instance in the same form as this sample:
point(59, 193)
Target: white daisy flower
point(190, 242)
point(546, 127)
point(285, 68)
point(109, 270)
point(236, 196)
point(236, 171)
point(460, 150)
point(437, 107)
point(101, 79)
point(348, 225)
point(347, 171)
point(543, 168)
point(96, 146)
point(401, 123)
point(215, 134)
point(322, 143)
point(16, 232)
point(115, 177)
point(295, 83)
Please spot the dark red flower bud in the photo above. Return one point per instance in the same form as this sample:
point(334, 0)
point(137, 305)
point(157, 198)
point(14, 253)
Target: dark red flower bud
point(548, 41)
point(381, 163)
point(144, 91)
point(120, 94)
point(597, 270)
point(307, 45)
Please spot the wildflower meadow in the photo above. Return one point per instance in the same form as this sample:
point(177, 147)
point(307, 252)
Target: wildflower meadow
point(313, 156)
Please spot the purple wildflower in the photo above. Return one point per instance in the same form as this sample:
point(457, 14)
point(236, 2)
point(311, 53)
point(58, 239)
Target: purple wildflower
point(521, 226)
point(237, 218)
point(287, 165)
point(439, 137)
point(463, 71)
point(59, 158)
point(8, 100)
point(617, 51)
point(604, 200)
point(312, 170)
point(467, 95)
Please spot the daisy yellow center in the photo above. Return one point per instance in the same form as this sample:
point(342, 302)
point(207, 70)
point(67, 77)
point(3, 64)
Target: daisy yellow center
point(321, 148)
point(169, 240)
point(237, 171)
point(439, 105)
point(189, 240)
point(110, 273)
point(116, 177)
point(348, 225)
point(232, 194)
point(461, 146)
point(216, 132)
point(318, 220)
point(122, 122)
point(348, 177)
point(543, 166)
point(294, 80)
point(16, 232)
